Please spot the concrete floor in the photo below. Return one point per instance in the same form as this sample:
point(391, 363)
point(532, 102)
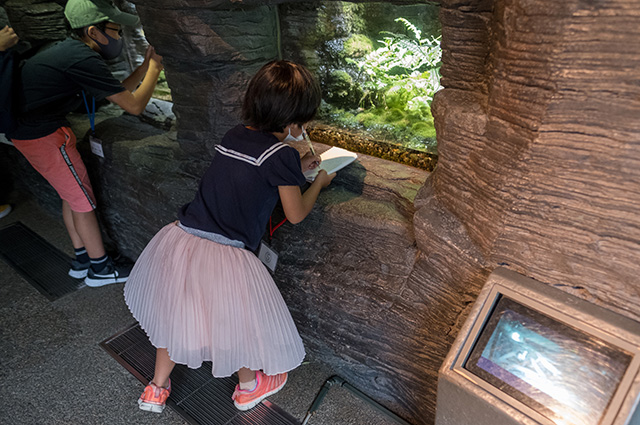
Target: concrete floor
point(52, 370)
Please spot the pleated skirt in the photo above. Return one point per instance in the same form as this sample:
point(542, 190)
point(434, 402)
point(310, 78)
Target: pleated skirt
point(204, 301)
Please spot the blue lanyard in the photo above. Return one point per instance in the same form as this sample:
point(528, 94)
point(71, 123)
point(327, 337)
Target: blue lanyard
point(92, 114)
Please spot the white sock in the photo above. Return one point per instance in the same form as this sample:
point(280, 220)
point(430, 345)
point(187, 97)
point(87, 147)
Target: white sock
point(249, 386)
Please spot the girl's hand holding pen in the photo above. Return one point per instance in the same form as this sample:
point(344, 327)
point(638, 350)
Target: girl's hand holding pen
point(310, 161)
point(312, 151)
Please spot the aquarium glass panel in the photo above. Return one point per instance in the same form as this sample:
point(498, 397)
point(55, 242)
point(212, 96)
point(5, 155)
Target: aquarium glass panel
point(563, 373)
point(378, 65)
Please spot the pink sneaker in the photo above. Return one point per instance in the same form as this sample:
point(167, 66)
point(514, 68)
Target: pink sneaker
point(154, 398)
point(266, 385)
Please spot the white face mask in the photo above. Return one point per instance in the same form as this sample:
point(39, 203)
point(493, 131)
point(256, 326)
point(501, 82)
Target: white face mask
point(290, 138)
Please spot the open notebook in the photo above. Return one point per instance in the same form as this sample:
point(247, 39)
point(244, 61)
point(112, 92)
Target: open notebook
point(333, 160)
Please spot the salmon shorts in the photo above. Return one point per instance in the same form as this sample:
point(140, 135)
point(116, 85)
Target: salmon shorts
point(56, 158)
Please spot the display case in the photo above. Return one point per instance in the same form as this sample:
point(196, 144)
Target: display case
point(532, 354)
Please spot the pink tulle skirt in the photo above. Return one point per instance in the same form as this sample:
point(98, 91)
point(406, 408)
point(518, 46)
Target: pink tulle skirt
point(204, 301)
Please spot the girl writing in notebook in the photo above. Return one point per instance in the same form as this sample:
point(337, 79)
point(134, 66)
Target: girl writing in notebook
point(197, 289)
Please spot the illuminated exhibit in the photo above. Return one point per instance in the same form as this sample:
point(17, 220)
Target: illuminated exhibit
point(535, 168)
point(530, 353)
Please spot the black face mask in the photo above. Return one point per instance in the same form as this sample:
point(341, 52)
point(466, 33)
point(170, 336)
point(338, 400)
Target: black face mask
point(112, 49)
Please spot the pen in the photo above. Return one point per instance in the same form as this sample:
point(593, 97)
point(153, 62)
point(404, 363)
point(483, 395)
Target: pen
point(306, 137)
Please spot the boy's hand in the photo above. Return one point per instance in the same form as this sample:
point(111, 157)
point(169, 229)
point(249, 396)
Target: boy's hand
point(310, 161)
point(324, 179)
point(147, 54)
point(156, 57)
point(151, 56)
point(8, 38)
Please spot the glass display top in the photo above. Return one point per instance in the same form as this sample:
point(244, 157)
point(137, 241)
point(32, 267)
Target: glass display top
point(563, 373)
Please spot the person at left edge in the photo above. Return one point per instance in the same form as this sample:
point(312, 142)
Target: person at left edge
point(53, 82)
point(8, 39)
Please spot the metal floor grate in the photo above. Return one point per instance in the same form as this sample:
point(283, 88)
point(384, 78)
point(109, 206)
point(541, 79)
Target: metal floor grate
point(196, 395)
point(40, 263)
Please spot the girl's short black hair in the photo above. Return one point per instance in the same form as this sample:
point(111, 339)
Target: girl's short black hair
point(281, 93)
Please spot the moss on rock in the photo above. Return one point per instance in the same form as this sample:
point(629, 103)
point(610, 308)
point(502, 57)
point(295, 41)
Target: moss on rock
point(341, 90)
point(358, 46)
point(424, 130)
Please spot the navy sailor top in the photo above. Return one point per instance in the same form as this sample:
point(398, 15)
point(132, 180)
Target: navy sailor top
point(240, 188)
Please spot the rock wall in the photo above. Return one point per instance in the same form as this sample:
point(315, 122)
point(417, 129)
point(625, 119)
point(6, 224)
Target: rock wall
point(539, 141)
point(209, 57)
point(538, 171)
point(41, 21)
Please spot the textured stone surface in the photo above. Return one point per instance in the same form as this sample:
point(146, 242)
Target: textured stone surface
point(344, 270)
point(159, 113)
point(140, 183)
point(538, 143)
point(539, 148)
point(579, 192)
point(542, 171)
point(209, 57)
point(42, 21)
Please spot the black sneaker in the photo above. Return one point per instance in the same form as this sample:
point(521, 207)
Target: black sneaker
point(111, 273)
point(79, 270)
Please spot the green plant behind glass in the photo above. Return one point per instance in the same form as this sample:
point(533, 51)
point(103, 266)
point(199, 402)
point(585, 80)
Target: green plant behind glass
point(387, 91)
point(162, 90)
point(403, 73)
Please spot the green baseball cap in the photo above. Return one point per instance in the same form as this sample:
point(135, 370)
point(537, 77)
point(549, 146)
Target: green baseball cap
point(82, 13)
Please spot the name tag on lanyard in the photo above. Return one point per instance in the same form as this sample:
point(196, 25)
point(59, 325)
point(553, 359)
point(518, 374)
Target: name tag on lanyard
point(94, 142)
point(96, 146)
point(268, 256)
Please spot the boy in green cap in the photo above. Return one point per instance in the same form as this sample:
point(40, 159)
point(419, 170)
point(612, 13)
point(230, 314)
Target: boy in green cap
point(54, 82)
